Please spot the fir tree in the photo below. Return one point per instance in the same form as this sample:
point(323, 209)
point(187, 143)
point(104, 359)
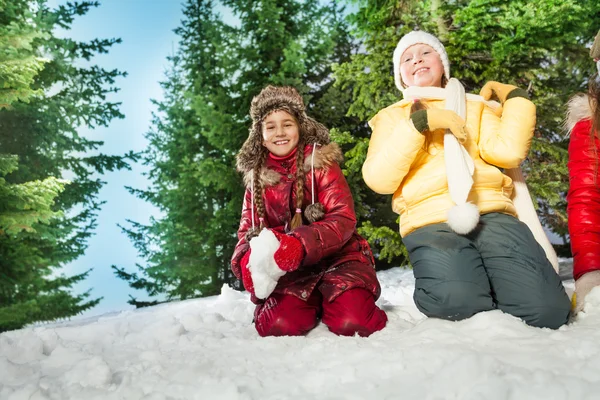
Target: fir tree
point(44, 224)
point(203, 122)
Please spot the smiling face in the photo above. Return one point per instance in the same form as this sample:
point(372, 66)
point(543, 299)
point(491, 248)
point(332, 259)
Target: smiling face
point(421, 65)
point(280, 133)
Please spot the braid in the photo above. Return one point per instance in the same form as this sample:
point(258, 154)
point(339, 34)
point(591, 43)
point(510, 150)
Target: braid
point(297, 219)
point(258, 199)
point(258, 196)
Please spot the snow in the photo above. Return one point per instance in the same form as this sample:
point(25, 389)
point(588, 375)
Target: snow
point(208, 349)
point(263, 268)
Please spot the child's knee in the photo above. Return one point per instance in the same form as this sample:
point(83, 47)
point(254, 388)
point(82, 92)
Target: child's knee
point(453, 300)
point(351, 325)
point(553, 313)
point(284, 315)
point(543, 306)
point(283, 326)
point(548, 317)
point(354, 312)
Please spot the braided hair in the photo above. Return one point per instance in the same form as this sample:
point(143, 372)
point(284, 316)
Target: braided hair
point(297, 218)
point(257, 193)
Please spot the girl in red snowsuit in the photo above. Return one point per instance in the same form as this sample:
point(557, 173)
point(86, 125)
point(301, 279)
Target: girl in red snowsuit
point(583, 198)
point(298, 252)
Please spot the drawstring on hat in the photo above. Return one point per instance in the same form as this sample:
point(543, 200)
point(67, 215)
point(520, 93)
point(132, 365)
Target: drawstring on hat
point(312, 172)
point(252, 199)
point(315, 211)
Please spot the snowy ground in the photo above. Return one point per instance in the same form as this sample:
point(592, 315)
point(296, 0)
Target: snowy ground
point(208, 349)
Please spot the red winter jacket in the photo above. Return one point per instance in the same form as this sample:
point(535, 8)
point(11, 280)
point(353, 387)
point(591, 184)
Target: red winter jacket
point(583, 199)
point(334, 249)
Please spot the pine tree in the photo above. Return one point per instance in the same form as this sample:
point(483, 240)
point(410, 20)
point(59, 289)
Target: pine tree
point(45, 224)
point(539, 45)
point(203, 122)
point(18, 62)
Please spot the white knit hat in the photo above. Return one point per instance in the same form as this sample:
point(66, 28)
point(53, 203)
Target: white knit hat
point(413, 38)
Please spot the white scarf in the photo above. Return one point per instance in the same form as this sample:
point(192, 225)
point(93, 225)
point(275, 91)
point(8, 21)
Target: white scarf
point(460, 169)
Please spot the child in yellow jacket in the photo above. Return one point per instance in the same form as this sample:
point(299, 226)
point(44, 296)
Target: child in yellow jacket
point(441, 152)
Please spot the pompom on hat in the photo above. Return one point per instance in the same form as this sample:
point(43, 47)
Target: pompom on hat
point(417, 37)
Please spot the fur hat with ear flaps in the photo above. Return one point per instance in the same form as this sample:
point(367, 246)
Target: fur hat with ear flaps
point(271, 99)
point(251, 158)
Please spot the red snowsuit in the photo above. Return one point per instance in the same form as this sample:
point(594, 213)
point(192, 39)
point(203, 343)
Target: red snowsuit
point(337, 258)
point(583, 199)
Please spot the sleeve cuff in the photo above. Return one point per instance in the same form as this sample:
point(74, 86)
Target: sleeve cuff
point(518, 92)
point(312, 243)
point(419, 120)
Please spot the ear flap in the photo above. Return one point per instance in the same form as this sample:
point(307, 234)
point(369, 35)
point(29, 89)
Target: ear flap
point(248, 157)
point(315, 132)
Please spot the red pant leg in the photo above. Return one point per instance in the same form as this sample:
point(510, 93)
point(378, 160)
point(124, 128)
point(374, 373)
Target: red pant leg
point(287, 315)
point(354, 311)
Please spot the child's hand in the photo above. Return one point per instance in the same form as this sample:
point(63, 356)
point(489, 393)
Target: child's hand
point(503, 92)
point(272, 255)
point(246, 275)
point(290, 253)
point(583, 286)
point(264, 271)
point(438, 118)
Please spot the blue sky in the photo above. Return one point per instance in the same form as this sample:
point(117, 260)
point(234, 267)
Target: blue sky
point(146, 28)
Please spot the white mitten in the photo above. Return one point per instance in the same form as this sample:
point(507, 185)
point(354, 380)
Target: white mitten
point(263, 268)
point(583, 285)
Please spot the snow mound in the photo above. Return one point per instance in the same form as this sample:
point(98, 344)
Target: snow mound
point(208, 349)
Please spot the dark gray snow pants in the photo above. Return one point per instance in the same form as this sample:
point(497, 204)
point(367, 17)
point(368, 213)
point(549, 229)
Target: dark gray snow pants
point(497, 266)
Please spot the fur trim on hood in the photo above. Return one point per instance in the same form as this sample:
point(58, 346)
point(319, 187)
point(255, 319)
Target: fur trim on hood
point(579, 108)
point(325, 156)
point(270, 99)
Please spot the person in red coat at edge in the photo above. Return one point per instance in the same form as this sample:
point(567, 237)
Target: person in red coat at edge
point(298, 252)
point(583, 198)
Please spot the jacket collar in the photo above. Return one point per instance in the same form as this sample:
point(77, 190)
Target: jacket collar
point(578, 108)
point(325, 156)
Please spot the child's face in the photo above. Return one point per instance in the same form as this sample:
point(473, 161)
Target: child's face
point(421, 65)
point(280, 133)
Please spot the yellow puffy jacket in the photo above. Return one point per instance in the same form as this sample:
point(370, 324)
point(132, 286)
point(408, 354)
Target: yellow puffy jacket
point(397, 161)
